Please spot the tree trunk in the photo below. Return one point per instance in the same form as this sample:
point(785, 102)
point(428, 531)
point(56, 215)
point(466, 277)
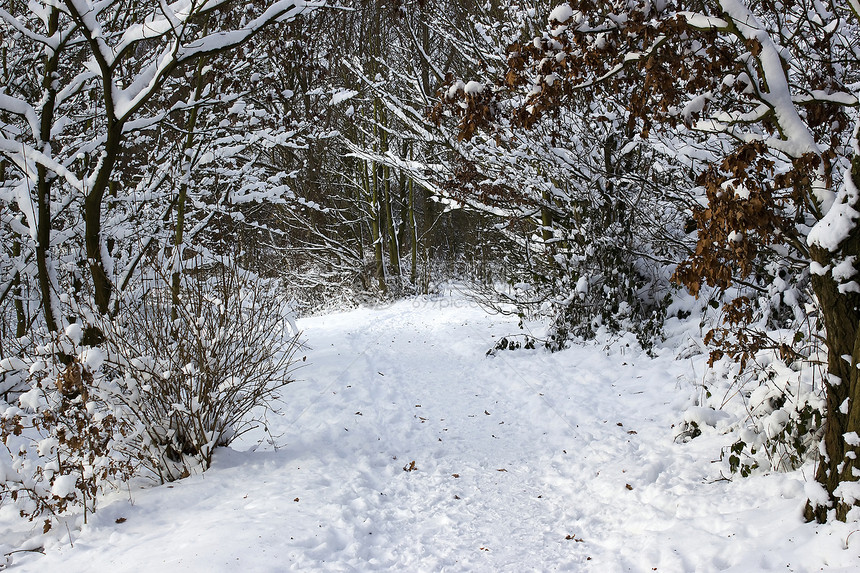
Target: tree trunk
point(102, 286)
point(43, 183)
point(546, 229)
point(413, 230)
point(425, 46)
point(17, 294)
point(16, 288)
point(178, 237)
point(391, 231)
point(371, 192)
point(839, 467)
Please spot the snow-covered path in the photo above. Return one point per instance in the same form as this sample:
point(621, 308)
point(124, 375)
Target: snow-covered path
point(522, 461)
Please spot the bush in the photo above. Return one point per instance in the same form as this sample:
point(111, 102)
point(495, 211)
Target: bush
point(784, 421)
point(64, 443)
point(177, 374)
point(190, 370)
point(767, 355)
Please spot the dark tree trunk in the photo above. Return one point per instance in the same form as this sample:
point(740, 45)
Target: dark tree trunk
point(43, 184)
point(840, 462)
point(102, 286)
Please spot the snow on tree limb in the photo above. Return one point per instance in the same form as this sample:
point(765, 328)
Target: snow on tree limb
point(25, 158)
point(18, 26)
point(20, 107)
point(171, 21)
point(797, 140)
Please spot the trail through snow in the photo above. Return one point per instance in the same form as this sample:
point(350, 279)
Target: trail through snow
point(525, 461)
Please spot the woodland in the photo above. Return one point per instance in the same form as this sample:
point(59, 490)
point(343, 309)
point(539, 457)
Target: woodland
point(180, 180)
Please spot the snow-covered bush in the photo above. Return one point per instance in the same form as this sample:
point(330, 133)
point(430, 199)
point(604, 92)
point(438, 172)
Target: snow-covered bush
point(13, 378)
point(191, 371)
point(63, 442)
point(608, 287)
point(767, 373)
point(171, 380)
point(784, 422)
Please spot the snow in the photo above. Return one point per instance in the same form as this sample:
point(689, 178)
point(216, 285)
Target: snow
point(12, 364)
point(22, 29)
point(799, 140)
point(523, 461)
point(816, 493)
point(75, 332)
point(704, 22)
point(704, 416)
point(342, 96)
point(64, 485)
point(839, 220)
point(848, 491)
point(20, 107)
point(94, 358)
point(473, 88)
point(695, 105)
point(561, 14)
point(455, 88)
point(844, 270)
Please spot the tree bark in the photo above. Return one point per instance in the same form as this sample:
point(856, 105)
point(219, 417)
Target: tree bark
point(413, 230)
point(16, 288)
point(43, 183)
point(839, 464)
point(102, 286)
point(371, 191)
point(391, 231)
point(179, 233)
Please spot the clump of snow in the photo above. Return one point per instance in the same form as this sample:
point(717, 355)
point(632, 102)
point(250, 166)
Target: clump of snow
point(848, 491)
point(844, 270)
point(816, 493)
point(561, 14)
point(342, 96)
point(473, 88)
point(455, 88)
point(839, 220)
point(704, 416)
point(31, 399)
point(75, 332)
point(93, 358)
point(47, 446)
point(695, 105)
point(12, 364)
point(64, 485)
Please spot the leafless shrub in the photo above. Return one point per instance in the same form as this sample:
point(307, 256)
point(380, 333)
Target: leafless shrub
point(183, 368)
point(192, 365)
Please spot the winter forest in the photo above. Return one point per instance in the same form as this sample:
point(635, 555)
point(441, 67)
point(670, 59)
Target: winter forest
point(353, 285)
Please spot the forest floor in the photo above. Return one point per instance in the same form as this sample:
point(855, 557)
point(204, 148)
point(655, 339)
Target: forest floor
point(404, 446)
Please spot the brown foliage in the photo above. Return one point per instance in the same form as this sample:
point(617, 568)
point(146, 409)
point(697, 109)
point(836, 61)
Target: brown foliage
point(742, 215)
point(476, 111)
point(670, 74)
point(85, 433)
point(72, 382)
point(738, 341)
